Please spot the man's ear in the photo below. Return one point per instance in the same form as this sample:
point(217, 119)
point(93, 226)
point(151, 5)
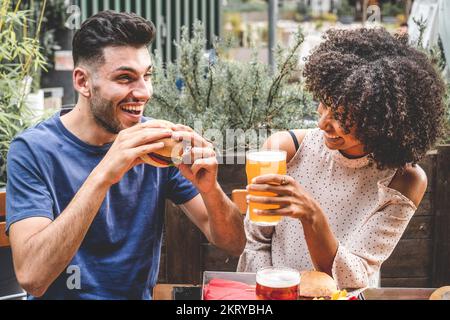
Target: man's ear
point(81, 81)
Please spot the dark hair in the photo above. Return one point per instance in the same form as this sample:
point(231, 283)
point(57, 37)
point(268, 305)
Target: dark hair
point(384, 87)
point(109, 28)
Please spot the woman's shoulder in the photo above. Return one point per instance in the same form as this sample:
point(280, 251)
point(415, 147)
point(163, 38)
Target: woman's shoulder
point(283, 140)
point(411, 182)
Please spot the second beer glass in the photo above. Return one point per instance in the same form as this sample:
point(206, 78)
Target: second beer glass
point(260, 163)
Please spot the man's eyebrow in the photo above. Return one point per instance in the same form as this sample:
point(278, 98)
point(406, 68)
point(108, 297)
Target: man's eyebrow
point(129, 69)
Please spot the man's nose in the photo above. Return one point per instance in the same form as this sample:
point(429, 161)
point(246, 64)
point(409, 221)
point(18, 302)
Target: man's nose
point(143, 90)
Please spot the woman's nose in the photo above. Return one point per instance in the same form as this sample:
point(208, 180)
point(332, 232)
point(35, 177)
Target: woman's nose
point(324, 120)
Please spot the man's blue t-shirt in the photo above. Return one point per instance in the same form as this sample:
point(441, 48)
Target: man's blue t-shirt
point(119, 257)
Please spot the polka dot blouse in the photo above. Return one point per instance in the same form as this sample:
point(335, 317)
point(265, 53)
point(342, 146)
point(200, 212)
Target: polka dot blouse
point(366, 216)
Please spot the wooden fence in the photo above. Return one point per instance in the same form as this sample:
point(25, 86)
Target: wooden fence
point(421, 258)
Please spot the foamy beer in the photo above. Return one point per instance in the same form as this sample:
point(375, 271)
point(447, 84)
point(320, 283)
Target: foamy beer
point(261, 163)
point(277, 283)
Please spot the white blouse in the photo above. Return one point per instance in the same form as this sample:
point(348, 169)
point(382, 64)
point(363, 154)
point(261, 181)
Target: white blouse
point(366, 216)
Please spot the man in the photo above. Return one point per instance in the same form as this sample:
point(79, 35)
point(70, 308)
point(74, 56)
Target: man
point(80, 199)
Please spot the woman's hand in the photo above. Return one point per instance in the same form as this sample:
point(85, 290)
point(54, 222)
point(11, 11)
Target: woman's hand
point(293, 200)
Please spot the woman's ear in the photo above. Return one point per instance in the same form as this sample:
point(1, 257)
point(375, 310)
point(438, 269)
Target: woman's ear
point(81, 82)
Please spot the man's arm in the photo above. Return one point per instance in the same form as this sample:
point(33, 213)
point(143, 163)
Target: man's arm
point(42, 248)
point(219, 219)
point(213, 212)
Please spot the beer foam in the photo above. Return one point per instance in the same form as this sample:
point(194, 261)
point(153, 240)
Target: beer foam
point(278, 278)
point(266, 156)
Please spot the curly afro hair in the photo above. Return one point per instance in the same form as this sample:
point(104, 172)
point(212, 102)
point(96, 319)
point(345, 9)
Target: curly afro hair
point(388, 90)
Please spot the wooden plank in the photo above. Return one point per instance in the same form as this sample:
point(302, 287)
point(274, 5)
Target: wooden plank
point(397, 293)
point(164, 291)
point(215, 259)
point(4, 241)
point(182, 247)
point(411, 258)
point(426, 205)
point(162, 276)
point(441, 246)
point(428, 164)
point(2, 203)
point(232, 176)
point(406, 282)
point(420, 227)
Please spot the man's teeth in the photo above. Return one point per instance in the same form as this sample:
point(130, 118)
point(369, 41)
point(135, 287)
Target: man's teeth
point(333, 137)
point(131, 108)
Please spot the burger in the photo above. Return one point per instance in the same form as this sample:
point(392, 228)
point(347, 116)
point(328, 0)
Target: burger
point(167, 156)
point(315, 284)
point(442, 293)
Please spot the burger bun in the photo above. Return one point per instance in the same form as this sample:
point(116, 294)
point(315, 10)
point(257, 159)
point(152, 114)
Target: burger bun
point(314, 284)
point(167, 156)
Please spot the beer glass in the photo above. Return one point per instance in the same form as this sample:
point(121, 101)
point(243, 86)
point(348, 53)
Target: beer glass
point(277, 283)
point(259, 163)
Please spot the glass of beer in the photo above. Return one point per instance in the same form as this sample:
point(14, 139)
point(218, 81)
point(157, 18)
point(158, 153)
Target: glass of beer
point(277, 283)
point(260, 163)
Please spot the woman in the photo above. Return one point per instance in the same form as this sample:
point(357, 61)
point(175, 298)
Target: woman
point(353, 183)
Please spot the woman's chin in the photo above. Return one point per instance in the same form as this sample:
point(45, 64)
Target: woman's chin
point(332, 146)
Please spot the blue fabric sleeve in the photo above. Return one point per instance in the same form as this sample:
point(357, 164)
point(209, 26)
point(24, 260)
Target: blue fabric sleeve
point(26, 192)
point(179, 189)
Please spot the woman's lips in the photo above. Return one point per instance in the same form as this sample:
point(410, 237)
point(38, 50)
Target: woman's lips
point(332, 138)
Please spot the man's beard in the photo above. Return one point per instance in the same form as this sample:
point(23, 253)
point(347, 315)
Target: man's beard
point(104, 113)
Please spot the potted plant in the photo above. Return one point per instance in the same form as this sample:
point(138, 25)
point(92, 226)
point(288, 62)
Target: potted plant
point(223, 95)
point(234, 104)
point(20, 59)
point(346, 12)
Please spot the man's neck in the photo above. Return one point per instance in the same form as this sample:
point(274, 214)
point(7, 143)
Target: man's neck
point(81, 123)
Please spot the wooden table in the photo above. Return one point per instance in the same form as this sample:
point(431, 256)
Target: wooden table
point(397, 293)
point(164, 292)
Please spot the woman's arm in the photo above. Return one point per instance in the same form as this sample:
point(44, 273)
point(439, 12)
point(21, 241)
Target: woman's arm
point(283, 141)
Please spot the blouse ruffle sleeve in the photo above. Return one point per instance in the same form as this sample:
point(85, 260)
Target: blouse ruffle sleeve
point(257, 253)
point(358, 261)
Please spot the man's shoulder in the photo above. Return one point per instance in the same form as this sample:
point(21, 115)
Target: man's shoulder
point(40, 134)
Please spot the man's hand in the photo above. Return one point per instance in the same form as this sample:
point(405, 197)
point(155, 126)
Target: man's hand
point(199, 163)
point(127, 149)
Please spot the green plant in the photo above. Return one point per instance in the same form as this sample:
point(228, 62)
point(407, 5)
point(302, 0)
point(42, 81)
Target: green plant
point(229, 95)
point(391, 9)
point(53, 20)
point(20, 58)
point(345, 9)
point(437, 57)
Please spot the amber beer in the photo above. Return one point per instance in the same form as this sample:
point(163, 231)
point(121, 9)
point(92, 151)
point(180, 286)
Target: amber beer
point(259, 163)
point(277, 283)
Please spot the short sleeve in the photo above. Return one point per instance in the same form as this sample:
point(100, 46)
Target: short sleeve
point(27, 194)
point(258, 250)
point(179, 189)
point(357, 263)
